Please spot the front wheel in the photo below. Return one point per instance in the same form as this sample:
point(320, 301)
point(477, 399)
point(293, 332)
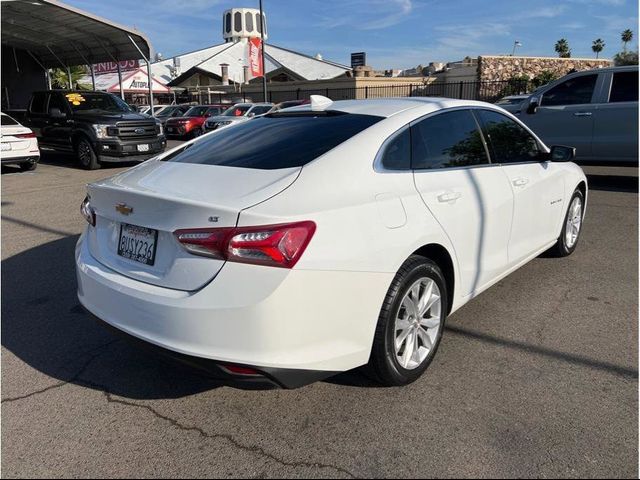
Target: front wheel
point(196, 132)
point(410, 324)
point(571, 228)
point(87, 158)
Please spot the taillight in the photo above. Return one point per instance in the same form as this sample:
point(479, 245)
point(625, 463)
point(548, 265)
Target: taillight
point(272, 245)
point(88, 212)
point(25, 135)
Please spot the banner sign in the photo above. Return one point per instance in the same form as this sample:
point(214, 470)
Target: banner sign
point(255, 57)
point(111, 67)
point(358, 59)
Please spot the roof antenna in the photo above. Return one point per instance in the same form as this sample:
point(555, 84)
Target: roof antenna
point(319, 102)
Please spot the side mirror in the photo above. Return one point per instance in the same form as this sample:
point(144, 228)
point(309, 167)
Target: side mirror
point(562, 153)
point(532, 108)
point(56, 113)
point(251, 115)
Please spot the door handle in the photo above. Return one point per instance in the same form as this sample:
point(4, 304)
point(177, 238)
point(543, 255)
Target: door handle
point(582, 114)
point(520, 182)
point(449, 197)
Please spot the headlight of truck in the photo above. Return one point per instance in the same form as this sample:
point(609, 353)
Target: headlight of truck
point(101, 130)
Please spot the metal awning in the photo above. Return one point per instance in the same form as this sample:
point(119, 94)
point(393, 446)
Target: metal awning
point(57, 34)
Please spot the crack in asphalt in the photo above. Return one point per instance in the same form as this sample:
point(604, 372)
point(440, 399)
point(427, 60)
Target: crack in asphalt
point(73, 378)
point(214, 436)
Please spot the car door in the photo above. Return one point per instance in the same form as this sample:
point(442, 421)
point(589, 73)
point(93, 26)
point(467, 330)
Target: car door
point(565, 113)
point(468, 196)
point(615, 133)
point(38, 119)
point(58, 131)
point(537, 184)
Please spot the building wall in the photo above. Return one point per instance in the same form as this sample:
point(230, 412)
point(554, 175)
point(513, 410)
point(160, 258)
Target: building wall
point(491, 68)
point(19, 79)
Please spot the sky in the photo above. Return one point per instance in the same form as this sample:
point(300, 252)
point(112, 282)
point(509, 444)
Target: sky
point(394, 33)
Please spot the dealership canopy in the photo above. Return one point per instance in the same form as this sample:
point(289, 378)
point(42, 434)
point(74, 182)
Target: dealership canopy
point(58, 34)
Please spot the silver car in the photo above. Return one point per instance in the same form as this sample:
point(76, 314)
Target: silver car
point(595, 111)
point(240, 112)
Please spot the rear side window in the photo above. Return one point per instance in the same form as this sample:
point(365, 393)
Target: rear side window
point(624, 87)
point(575, 91)
point(449, 139)
point(56, 102)
point(510, 142)
point(7, 120)
point(397, 152)
point(39, 103)
point(275, 141)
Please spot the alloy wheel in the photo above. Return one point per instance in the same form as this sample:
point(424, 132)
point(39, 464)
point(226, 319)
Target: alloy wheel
point(574, 222)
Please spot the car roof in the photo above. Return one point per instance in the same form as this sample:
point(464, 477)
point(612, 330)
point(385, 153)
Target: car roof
point(386, 107)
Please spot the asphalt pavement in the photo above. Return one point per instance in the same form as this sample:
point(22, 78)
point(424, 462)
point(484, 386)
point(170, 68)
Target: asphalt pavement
point(537, 377)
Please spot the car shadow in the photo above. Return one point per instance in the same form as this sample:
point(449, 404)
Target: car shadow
point(44, 326)
point(613, 183)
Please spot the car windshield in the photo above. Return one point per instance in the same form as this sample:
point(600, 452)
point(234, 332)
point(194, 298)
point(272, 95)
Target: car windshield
point(278, 140)
point(7, 120)
point(102, 102)
point(236, 111)
point(167, 112)
point(197, 111)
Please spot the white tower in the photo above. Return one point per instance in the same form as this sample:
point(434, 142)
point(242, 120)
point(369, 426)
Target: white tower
point(240, 24)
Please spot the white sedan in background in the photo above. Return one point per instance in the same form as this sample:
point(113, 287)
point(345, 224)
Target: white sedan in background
point(325, 237)
point(240, 112)
point(19, 144)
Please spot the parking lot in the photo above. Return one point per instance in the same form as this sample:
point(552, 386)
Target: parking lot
point(535, 378)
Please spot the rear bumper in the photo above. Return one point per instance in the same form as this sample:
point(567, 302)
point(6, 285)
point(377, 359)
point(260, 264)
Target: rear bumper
point(26, 158)
point(294, 326)
point(127, 150)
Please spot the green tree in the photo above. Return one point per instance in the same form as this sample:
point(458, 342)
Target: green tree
point(544, 77)
point(60, 78)
point(625, 58)
point(626, 36)
point(597, 46)
point(562, 48)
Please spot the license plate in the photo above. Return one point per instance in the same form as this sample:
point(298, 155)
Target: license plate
point(6, 146)
point(143, 148)
point(138, 243)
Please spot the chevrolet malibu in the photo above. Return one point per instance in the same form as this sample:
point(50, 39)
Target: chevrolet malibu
point(325, 237)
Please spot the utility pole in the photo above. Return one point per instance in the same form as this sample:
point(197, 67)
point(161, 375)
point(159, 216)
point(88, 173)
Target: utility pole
point(264, 67)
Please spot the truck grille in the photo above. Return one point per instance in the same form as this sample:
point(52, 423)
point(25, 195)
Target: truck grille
point(128, 130)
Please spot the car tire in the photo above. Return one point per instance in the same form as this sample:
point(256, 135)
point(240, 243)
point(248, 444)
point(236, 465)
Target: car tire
point(85, 154)
point(196, 132)
point(394, 361)
point(571, 227)
point(28, 166)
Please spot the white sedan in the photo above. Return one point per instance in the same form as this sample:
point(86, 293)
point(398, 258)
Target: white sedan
point(325, 237)
point(19, 144)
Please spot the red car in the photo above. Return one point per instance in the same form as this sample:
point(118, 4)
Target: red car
point(191, 123)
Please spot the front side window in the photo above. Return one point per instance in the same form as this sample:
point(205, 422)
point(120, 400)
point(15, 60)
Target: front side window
point(509, 141)
point(397, 152)
point(575, 91)
point(56, 102)
point(278, 140)
point(624, 87)
point(450, 139)
point(214, 111)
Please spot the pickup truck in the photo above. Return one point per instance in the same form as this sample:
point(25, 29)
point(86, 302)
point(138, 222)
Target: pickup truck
point(95, 126)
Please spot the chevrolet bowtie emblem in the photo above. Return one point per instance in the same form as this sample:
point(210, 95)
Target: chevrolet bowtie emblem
point(124, 209)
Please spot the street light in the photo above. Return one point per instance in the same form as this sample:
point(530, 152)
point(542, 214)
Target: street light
point(515, 45)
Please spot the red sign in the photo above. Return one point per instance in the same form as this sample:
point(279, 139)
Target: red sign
point(110, 67)
point(255, 57)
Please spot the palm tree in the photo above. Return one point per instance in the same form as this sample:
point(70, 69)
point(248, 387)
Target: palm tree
point(598, 46)
point(627, 36)
point(60, 78)
point(562, 47)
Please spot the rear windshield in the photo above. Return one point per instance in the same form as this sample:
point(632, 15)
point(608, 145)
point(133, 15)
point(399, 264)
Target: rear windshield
point(7, 120)
point(277, 140)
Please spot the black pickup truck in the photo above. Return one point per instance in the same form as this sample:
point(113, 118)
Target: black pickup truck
point(95, 126)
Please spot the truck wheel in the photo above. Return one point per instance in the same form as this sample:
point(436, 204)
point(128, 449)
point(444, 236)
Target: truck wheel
point(87, 158)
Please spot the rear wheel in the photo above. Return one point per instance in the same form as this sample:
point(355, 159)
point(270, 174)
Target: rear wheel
point(410, 323)
point(87, 158)
point(571, 228)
